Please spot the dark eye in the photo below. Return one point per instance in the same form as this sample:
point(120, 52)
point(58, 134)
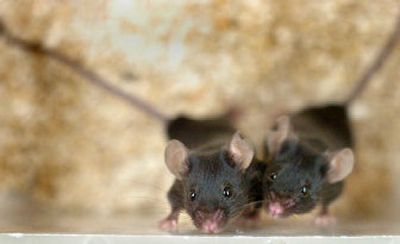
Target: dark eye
point(272, 176)
point(192, 195)
point(227, 192)
point(304, 190)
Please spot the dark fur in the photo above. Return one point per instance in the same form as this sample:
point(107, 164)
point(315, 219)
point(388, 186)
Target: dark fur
point(298, 165)
point(208, 175)
point(319, 128)
point(302, 162)
point(211, 169)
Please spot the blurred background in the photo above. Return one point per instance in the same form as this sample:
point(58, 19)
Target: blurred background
point(69, 146)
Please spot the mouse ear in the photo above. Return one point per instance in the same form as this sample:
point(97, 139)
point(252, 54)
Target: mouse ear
point(277, 137)
point(176, 158)
point(241, 151)
point(341, 164)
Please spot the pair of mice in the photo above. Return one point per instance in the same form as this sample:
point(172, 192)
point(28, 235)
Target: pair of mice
point(218, 179)
point(308, 154)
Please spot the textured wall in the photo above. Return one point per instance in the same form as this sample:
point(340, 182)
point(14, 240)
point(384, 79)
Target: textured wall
point(66, 143)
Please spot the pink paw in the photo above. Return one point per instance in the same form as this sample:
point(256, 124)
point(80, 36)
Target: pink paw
point(325, 220)
point(169, 225)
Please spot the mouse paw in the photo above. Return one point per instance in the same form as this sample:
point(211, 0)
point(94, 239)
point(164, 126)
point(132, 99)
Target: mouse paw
point(169, 225)
point(325, 220)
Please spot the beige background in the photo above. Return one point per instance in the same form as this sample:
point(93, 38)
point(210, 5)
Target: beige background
point(69, 145)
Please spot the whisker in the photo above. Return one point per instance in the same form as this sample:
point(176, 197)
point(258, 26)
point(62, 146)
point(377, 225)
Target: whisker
point(252, 202)
point(237, 210)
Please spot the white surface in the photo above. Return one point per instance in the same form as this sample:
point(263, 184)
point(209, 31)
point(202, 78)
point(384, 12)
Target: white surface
point(128, 228)
point(88, 238)
point(25, 223)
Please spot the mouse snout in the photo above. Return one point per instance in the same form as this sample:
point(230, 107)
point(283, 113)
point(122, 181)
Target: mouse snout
point(277, 205)
point(210, 227)
point(210, 221)
point(275, 209)
point(209, 215)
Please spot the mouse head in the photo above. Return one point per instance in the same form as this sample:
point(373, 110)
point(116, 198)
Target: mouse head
point(215, 190)
point(297, 172)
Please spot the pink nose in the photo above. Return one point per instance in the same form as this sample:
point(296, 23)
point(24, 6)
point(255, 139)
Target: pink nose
point(210, 226)
point(275, 209)
point(210, 222)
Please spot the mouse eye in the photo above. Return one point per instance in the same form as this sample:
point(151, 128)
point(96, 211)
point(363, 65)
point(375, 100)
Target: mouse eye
point(192, 195)
point(272, 176)
point(227, 192)
point(304, 190)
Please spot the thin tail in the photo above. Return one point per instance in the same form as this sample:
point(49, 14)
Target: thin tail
point(85, 73)
point(376, 64)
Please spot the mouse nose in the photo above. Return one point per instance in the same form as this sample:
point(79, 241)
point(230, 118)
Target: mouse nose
point(275, 209)
point(210, 222)
point(210, 227)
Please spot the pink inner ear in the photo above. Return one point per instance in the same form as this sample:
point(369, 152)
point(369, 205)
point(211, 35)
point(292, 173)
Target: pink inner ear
point(278, 137)
point(176, 155)
point(235, 153)
point(341, 165)
point(242, 151)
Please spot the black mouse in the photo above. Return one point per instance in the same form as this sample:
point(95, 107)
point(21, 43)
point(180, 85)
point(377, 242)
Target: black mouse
point(310, 152)
point(303, 172)
point(212, 180)
point(215, 156)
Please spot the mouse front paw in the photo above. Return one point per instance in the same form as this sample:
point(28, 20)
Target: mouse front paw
point(325, 220)
point(170, 225)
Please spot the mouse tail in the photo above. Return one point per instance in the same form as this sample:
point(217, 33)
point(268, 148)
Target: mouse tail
point(89, 75)
point(377, 63)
